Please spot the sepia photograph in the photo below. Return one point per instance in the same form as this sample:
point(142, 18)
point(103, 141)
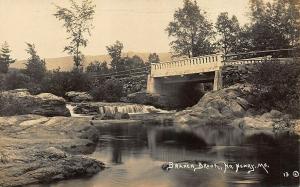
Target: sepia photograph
point(149, 93)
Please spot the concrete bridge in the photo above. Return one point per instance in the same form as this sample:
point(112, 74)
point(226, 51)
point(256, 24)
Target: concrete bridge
point(183, 79)
point(163, 77)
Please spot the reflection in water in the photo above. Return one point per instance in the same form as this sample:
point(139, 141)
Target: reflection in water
point(116, 153)
point(135, 154)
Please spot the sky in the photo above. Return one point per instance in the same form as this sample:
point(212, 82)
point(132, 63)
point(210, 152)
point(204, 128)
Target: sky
point(138, 24)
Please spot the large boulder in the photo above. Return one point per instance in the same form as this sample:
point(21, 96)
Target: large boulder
point(37, 149)
point(232, 106)
point(20, 101)
point(78, 97)
point(218, 107)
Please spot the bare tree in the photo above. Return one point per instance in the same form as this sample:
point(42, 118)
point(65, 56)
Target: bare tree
point(78, 23)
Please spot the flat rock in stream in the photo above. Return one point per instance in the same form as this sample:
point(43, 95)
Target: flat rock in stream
point(109, 116)
point(101, 123)
point(78, 97)
point(37, 149)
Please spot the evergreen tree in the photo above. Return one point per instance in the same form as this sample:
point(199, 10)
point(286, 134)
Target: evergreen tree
point(35, 67)
point(5, 58)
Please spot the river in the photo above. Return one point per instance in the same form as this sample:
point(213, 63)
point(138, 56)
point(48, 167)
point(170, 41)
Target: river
point(135, 154)
point(138, 155)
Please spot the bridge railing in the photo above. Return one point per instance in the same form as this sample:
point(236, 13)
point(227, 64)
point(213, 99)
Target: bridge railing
point(187, 66)
point(258, 61)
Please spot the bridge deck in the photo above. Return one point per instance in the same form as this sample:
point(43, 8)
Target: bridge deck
point(201, 64)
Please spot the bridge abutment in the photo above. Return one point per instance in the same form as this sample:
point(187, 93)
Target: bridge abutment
point(158, 86)
point(218, 81)
point(153, 85)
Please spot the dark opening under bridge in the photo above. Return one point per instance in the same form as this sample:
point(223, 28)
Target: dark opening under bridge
point(171, 78)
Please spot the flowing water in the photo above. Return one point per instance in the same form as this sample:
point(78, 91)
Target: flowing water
point(135, 155)
point(71, 109)
point(112, 108)
point(129, 108)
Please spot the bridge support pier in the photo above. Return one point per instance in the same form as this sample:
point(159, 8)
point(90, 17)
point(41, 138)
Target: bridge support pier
point(218, 81)
point(158, 86)
point(153, 85)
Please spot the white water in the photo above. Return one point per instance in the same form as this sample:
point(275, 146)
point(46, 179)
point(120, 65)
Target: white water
point(129, 108)
point(73, 114)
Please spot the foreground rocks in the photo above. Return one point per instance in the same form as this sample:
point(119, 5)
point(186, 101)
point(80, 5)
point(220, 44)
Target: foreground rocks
point(20, 101)
point(232, 106)
point(36, 149)
point(78, 96)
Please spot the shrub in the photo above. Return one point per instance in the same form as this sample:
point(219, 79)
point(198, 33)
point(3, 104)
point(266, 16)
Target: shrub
point(59, 83)
point(56, 83)
point(15, 80)
point(110, 90)
point(79, 81)
point(2, 77)
point(134, 84)
point(277, 86)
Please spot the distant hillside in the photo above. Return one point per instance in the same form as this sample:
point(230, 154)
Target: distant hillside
point(66, 63)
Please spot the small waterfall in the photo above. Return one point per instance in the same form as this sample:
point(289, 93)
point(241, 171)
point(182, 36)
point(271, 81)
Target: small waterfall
point(130, 109)
point(110, 108)
point(73, 114)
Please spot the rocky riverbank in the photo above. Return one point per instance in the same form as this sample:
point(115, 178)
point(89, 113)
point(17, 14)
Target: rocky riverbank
point(233, 106)
point(37, 149)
